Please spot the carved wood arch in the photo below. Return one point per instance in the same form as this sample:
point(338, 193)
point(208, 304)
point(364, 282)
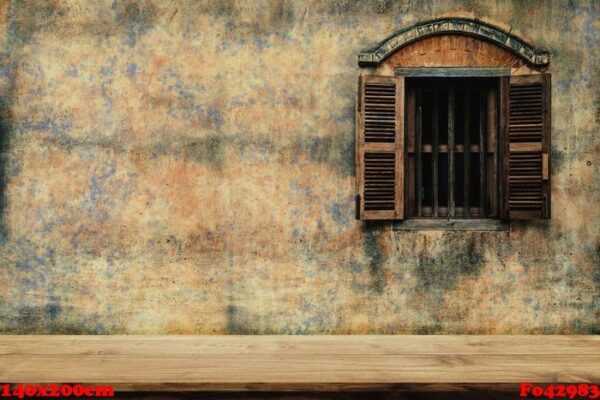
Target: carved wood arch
point(454, 42)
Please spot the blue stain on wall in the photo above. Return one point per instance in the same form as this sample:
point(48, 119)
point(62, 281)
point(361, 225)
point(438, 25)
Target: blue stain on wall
point(51, 123)
point(340, 214)
point(135, 16)
point(132, 69)
point(107, 71)
point(72, 71)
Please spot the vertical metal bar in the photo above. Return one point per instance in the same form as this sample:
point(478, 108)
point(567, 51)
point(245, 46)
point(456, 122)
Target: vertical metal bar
point(467, 152)
point(419, 151)
point(451, 110)
point(482, 154)
point(434, 149)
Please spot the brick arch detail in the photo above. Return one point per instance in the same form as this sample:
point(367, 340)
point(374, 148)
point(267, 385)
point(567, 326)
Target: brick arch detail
point(479, 32)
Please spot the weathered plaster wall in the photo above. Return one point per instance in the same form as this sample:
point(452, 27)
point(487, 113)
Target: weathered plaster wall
point(187, 167)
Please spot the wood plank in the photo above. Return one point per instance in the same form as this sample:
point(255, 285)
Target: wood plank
point(492, 132)
point(139, 345)
point(503, 147)
point(419, 166)
point(437, 224)
point(411, 112)
point(443, 148)
point(451, 117)
point(409, 162)
point(411, 186)
point(359, 145)
point(375, 147)
point(452, 72)
point(527, 79)
point(435, 138)
point(332, 391)
point(545, 167)
point(378, 214)
point(466, 154)
point(492, 120)
point(547, 143)
point(276, 362)
point(301, 368)
point(526, 147)
point(526, 214)
point(399, 141)
point(482, 155)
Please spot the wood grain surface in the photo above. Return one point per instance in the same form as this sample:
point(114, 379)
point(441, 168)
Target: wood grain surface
point(297, 362)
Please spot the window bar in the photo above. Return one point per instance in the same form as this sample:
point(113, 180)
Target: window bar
point(482, 155)
point(410, 142)
point(492, 144)
point(418, 150)
point(451, 111)
point(467, 152)
point(434, 150)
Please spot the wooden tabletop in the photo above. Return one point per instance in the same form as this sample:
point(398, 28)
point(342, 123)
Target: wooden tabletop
point(296, 362)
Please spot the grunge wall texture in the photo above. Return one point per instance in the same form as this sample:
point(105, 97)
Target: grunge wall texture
point(188, 167)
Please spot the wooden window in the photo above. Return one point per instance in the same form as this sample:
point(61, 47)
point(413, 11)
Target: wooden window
point(473, 147)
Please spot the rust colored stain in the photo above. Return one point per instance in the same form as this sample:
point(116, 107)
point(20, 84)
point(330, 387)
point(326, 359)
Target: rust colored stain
point(188, 167)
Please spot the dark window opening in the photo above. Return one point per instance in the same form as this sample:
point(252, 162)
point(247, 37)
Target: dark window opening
point(452, 167)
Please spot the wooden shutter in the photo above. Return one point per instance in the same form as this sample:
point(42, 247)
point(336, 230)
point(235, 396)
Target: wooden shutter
point(526, 147)
point(380, 148)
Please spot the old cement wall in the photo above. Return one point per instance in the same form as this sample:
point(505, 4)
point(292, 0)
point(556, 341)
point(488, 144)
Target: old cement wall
point(187, 167)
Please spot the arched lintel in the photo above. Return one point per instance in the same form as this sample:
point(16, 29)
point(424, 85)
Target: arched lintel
point(533, 55)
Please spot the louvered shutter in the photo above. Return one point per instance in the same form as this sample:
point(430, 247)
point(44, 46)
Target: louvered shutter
point(526, 160)
point(380, 147)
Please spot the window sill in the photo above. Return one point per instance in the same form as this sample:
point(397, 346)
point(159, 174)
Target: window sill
point(423, 224)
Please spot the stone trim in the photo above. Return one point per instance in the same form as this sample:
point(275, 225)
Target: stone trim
point(440, 224)
point(374, 56)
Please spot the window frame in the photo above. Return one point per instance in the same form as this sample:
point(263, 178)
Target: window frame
point(459, 47)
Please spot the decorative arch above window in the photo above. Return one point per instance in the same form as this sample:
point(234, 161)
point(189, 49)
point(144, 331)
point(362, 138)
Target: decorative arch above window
point(453, 122)
point(534, 56)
